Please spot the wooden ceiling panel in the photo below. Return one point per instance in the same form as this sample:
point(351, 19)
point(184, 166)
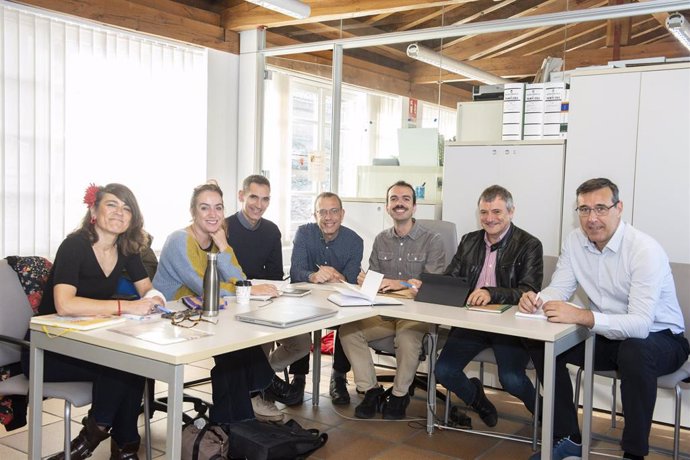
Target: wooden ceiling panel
point(514, 54)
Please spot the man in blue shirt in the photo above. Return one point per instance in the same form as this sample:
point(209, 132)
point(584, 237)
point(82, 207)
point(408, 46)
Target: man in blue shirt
point(325, 252)
point(633, 310)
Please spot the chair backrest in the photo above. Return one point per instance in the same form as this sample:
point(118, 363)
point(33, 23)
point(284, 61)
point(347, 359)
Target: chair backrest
point(681, 273)
point(15, 312)
point(448, 232)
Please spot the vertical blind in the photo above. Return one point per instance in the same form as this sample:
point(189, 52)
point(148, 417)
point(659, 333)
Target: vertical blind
point(81, 103)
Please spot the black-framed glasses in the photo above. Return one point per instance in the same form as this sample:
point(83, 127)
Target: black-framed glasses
point(188, 318)
point(326, 212)
point(599, 210)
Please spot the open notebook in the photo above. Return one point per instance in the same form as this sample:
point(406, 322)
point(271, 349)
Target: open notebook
point(350, 295)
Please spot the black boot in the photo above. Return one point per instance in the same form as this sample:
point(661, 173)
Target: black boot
point(86, 442)
point(484, 407)
point(126, 452)
point(371, 404)
point(283, 392)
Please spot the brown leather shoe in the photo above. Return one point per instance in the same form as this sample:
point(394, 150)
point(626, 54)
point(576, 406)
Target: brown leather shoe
point(86, 442)
point(126, 452)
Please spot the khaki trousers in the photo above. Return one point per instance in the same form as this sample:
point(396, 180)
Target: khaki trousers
point(356, 336)
point(288, 351)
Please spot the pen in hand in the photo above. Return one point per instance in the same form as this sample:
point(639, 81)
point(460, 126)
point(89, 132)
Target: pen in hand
point(536, 301)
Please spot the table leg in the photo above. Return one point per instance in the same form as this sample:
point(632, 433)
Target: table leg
point(547, 412)
point(431, 380)
point(35, 401)
point(316, 372)
point(174, 434)
point(587, 395)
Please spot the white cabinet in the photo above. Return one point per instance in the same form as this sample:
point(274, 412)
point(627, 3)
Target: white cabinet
point(634, 128)
point(368, 217)
point(532, 172)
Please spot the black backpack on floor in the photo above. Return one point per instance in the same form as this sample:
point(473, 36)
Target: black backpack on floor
point(256, 440)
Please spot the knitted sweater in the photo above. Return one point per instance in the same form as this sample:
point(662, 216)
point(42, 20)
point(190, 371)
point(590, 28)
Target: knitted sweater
point(182, 265)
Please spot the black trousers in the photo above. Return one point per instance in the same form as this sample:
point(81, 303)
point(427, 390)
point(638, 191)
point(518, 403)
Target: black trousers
point(340, 361)
point(233, 378)
point(639, 362)
point(116, 396)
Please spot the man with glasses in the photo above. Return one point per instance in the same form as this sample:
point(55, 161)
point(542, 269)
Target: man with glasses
point(401, 253)
point(328, 252)
point(258, 248)
point(633, 310)
point(501, 261)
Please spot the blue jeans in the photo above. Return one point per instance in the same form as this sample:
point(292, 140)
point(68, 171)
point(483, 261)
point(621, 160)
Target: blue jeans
point(511, 357)
point(639, 362)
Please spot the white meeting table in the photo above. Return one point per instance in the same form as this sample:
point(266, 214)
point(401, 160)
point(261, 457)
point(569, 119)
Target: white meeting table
point(557, 338)
point(166, 363)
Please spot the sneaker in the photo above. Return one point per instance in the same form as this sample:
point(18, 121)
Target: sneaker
point(563, 449)
point(371, 403)
point(266, 411)
point(394, 407)
point(283, 392)
point(338, 390)
point(484, 407)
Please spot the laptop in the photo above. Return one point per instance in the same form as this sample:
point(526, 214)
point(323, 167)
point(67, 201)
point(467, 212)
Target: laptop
point(283, 316)
point(443, 289)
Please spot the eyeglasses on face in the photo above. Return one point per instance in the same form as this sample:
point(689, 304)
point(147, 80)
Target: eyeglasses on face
point(326, 212)
point(189, 318)
point(599, 210)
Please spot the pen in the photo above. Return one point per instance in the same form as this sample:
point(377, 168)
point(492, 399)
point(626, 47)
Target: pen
point(536, 299)
point(406, 284)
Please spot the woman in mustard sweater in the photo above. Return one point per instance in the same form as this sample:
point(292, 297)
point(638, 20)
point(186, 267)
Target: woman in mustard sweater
point(238, 378)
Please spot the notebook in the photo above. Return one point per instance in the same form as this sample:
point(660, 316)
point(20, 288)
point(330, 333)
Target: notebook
point(350, 295)
point(80, 323)
point(286, 316)
point(443, 289)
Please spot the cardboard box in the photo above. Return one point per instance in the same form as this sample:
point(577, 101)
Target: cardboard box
point(554, 93)
point(534, 99)
point(533, 130)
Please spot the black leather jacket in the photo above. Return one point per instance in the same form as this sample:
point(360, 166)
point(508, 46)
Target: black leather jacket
point(519, 264)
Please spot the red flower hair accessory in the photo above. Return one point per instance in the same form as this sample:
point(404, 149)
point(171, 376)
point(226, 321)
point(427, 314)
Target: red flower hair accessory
point(90, 195)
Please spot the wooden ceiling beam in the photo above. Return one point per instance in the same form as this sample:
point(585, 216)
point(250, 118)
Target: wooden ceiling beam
point(164, 18)
point(520, 66)
point(247, 16)
point(371, 79)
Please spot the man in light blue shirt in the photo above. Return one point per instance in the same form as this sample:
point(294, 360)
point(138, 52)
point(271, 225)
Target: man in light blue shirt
point(633, 309)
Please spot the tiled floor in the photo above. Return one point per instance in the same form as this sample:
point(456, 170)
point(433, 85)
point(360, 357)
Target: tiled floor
point(352, 439)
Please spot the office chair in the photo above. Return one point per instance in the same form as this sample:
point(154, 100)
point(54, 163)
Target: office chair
point(16, 314)
point(677, 381)
point(385, 346)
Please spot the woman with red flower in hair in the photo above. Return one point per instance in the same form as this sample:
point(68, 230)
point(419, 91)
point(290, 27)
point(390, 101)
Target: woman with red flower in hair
point(84, 277)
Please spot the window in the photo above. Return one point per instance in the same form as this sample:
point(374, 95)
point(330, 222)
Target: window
point(443, 118)
point(297, 125)
point(84, 103)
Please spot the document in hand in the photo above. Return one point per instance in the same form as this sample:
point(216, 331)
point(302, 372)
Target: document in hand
point(350, 295)
point(539, 314)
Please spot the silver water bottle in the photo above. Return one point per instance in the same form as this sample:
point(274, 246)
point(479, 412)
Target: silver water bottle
point(211, 288)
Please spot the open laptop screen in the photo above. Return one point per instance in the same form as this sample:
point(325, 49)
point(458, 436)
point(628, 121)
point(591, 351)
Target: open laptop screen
point(443, 289)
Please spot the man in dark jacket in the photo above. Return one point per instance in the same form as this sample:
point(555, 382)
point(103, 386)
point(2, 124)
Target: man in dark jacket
point(501, 261)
